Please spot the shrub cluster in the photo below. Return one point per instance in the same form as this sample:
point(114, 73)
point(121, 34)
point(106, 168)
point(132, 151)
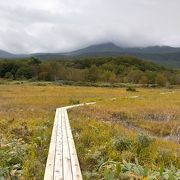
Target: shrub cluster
point(105, 70)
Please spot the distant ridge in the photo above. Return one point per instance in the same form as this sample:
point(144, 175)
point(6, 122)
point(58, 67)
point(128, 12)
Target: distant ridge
point(4, 54)
point(106, 47)
point(164, 55)
point(7, 55)
point(110, 47)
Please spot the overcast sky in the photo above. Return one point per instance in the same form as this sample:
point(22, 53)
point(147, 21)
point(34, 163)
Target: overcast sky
point(62, 25)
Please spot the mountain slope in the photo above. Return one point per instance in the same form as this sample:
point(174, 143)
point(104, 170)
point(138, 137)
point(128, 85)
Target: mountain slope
point(5, 54)
point(110, 47)
point(164, 55)
point(106, 47)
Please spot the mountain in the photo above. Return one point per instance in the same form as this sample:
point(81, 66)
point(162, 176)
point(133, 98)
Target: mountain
point(48, 56)
point(100, 48)
point(110, 47)
point(7, 55)
point(4, 54)
point(164, 55)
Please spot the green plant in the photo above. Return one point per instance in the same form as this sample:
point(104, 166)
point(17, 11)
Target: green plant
point(144, 141)
point(128, 170)
point(74, 101)
point(122, 143)
point(132, 89)
point(12, 158)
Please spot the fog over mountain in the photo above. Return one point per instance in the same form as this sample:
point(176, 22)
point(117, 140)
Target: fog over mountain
point(163, 55)
point(57, 26)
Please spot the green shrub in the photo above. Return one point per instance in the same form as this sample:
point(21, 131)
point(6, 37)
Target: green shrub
point(132, 89)
point(24, 72)
point(122, 143)
point(127, 170)
point(74, 101)
point(9, 75)
point(144, 140)
point(12, 156)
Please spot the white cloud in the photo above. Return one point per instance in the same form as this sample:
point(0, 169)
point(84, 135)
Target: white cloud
point(62, 25)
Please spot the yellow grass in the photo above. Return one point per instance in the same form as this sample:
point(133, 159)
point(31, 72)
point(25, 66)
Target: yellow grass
point(27, 109)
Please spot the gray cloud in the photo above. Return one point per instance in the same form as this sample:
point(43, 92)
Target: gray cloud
point(62, 25)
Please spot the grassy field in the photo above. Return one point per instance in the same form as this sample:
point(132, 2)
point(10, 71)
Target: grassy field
point(125, 135)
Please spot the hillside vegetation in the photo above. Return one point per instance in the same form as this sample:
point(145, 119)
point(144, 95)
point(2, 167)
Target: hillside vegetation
point(105, 70)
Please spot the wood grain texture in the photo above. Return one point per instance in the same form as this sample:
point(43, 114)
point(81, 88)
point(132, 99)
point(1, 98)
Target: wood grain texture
point(62, 162)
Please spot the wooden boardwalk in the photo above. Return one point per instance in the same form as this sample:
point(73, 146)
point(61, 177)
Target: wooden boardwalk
point(62, 162)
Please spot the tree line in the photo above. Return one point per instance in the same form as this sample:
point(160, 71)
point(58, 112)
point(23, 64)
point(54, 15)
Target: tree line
point(123, 69)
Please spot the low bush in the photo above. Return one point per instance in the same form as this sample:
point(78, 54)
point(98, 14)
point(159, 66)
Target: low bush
point(122, 143)
point(144, 141)
point(74, 101)
point(12, 157)
point(126, 170)
point(132, 89)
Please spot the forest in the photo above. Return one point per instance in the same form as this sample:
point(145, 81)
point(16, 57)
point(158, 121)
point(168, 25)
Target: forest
point(123, 69)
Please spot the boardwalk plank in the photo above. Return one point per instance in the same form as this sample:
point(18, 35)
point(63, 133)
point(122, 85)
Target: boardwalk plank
point(58, 170)
point(62, 162)
point(49, 172)
point(74, 159)
point(67, 169)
